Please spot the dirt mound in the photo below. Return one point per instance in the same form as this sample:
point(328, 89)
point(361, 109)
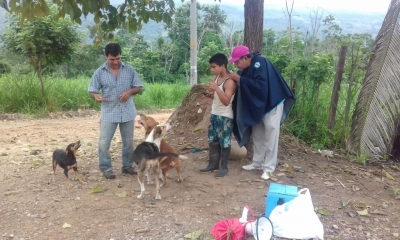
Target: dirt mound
point(191, 119)
point(194, 110)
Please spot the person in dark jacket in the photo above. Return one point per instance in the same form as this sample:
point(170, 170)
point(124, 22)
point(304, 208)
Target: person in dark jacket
point(261, 104)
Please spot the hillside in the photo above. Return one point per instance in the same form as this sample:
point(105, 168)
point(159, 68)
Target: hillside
point(350, 22)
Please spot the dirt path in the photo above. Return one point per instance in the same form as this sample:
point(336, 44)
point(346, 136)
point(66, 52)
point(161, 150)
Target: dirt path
point(33, 207)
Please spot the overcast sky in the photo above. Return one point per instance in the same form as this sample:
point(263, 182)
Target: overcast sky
point(380, 6)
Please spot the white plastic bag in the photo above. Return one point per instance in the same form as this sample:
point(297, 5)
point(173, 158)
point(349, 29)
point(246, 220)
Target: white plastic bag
point(297, 219)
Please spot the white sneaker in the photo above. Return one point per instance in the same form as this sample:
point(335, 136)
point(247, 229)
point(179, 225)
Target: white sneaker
point(250, 167)
point(266, 175)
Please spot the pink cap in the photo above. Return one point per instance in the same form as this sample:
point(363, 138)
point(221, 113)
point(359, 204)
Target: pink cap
point(238, 52)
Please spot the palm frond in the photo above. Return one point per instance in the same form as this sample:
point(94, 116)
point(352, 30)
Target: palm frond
point(374, 123)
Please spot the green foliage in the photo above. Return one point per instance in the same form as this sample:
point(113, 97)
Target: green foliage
point(22, 94)
point(4, 68)
point(320, 68)
point(361, 159)
point(43, 41)
point(161, 96)
point(129, 14)
point(166, 60)
point(203, 67)
point(209, 25)
point(85, 60)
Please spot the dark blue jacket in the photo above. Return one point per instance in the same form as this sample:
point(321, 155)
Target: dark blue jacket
point(260, 89)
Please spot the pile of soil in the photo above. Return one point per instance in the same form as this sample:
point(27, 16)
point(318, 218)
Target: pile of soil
point(190, 120)
point(195, 109)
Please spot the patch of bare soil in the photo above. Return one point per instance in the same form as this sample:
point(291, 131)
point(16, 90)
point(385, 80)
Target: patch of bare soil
point(33, 207)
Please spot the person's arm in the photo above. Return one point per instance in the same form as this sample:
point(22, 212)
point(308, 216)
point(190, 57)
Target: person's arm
point(96, 97)
point(94, 88)
point(136, 87)
point(127, 93)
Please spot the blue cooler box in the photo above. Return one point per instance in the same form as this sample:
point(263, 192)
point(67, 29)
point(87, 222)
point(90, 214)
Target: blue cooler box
point(279, 194)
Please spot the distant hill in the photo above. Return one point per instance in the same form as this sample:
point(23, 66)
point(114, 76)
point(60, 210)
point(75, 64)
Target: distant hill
point(350, 22)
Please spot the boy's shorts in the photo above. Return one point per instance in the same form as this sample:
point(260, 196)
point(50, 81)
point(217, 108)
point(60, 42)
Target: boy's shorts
point(220, 130)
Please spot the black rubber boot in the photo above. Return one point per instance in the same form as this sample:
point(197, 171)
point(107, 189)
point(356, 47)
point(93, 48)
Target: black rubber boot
point(223, 171)
point(214, 156)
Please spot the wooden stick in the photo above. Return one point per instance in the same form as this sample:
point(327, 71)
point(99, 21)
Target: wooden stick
point(339, 182)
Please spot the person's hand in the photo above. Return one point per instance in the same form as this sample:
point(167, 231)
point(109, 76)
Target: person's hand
point(98, 98)
point(125, 96)
point(234, 76)
point(209, 95)
point(212, 86)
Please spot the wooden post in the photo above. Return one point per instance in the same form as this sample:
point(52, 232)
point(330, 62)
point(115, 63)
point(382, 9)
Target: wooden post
point(336, 89)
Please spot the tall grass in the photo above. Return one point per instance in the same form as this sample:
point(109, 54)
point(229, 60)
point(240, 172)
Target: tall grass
point(22, 94)
point(308, 120)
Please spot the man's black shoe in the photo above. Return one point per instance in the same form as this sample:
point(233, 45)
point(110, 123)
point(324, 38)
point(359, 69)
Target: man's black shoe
point(109, 175)
point(129, 170)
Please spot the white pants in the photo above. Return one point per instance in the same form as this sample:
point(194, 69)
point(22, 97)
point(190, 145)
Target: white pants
point(265, 137)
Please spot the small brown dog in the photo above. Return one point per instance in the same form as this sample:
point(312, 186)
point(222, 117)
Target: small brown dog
point(169, 163)
point(148, 123)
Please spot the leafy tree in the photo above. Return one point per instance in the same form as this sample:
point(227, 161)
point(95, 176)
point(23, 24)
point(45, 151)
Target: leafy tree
point(44, 41)
point(4, 68)
point(214, 18)
point(133, 44)
point(210, 18)
point(164, 49)
point(332, 29)
point(268, 41)
point(332, 33)
point(130, 14)
point(205, 54)
point(375, 120)
point(86, 59)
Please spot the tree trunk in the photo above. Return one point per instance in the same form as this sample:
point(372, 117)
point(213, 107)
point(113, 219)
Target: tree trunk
point(336, 89)
point(289, 15)
point(40, 76)
point(253, 38)
point(253, 24)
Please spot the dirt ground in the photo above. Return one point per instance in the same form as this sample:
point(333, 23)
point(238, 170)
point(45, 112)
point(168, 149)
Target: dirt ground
point(33, 207)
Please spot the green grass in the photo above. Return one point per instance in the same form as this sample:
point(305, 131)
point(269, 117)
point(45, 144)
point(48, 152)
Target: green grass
point(22, 94)
point(307, 121)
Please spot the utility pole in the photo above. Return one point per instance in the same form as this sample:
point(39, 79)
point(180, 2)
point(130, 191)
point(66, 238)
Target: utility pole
point(193, 42)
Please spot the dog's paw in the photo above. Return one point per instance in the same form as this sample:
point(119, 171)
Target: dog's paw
point(158, 197)
point(140, 196)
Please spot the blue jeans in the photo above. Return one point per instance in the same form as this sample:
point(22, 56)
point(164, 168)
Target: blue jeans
point(107, 131)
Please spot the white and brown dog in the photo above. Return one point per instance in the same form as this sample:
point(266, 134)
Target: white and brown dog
point(168, 163)
point(148, 157)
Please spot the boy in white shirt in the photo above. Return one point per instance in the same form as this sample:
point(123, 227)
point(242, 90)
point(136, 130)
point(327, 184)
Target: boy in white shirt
point(222, 90)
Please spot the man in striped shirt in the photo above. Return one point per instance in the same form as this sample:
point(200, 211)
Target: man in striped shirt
point(117, 82)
